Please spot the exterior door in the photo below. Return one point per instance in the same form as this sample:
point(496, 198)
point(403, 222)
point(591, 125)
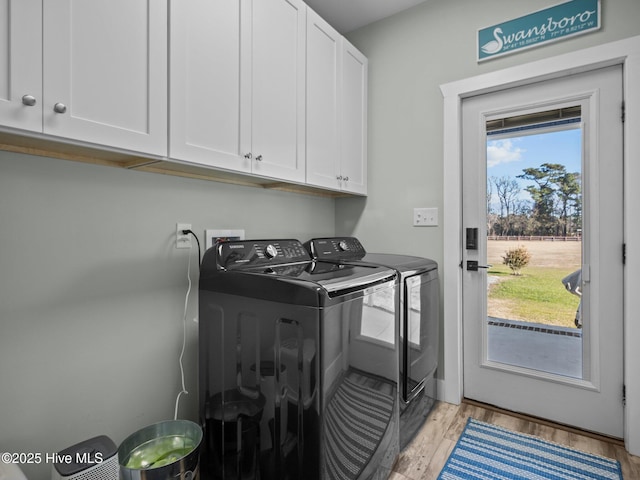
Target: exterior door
point(543, 263)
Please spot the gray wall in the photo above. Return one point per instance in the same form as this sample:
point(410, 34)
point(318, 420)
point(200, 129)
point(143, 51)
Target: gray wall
point(410, 55)
point(92, 291)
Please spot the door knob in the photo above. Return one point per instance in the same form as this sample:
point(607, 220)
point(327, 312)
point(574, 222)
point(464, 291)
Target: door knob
point(60, 108)
point(472, 266)
point(29, 100)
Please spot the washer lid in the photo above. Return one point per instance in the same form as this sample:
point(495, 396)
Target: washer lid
point(350, 250)
point(283, 273)
point(331, 279)
point(402, 263)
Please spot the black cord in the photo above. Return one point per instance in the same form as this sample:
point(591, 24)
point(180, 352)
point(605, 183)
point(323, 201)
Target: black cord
point(187, 232)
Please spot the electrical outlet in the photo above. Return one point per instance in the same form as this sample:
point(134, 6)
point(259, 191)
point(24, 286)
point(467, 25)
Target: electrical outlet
point(183, 240)
point(425, 217)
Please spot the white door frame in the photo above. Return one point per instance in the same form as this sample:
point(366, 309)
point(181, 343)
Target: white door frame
point(625, 52)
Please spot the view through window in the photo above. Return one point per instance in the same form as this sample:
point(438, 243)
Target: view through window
point(534, 241)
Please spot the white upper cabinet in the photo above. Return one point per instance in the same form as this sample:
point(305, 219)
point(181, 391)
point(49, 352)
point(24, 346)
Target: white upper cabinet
point(261, 87)
point(210, 92)
point(237, 85)
point(21, 64)
point(105, 72)
point(324, 67)
point(278, 88)
point(88, 71)
point(353, 165)
point(336, 110)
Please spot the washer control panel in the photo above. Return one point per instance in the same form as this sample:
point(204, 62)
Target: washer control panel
point(253, 253)
point(336, 248)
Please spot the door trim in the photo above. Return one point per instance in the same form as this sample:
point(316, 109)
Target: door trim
point(625, 52)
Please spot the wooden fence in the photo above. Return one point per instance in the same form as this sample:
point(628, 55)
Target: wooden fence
point(541, 238)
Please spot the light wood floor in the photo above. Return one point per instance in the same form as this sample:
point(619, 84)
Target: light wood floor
point(426, 455)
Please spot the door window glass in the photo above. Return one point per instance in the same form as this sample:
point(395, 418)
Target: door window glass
point(534, 241)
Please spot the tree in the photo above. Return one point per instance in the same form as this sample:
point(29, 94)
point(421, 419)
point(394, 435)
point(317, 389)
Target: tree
point(550, 178)
point(507, 190)
point(521, 223)
point(555, 208)
point(568, 192)
point(542, 195)
point(491, 216)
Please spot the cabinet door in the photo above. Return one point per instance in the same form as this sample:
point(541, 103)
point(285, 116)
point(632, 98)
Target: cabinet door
point(21, 64)
point(353, 167)
point(278, 88)
point(105, 72)
point(209, 112)
point(324, 66)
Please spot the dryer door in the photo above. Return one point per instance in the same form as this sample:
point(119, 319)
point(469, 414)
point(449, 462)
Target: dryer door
point(419, 332)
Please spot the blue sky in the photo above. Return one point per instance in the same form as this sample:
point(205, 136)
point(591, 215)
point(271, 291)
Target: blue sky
point(509, 156)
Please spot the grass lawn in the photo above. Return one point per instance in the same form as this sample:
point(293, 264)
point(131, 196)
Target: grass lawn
point(537, 295)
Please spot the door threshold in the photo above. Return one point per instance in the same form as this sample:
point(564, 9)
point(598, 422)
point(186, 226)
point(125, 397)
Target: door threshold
point(545, 422)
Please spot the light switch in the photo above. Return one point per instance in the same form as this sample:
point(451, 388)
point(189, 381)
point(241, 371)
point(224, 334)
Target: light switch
point(425, 217)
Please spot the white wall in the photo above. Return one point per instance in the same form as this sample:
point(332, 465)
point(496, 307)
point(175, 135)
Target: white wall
point(92, 291)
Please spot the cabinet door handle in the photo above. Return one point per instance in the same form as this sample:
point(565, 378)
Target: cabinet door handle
point(29, 100)
point(346, 179)
point(259, 158)
point(339, 177)
point(248, 156)
point(60, 108)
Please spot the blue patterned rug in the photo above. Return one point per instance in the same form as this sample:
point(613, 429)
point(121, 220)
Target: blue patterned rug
point(488, 452)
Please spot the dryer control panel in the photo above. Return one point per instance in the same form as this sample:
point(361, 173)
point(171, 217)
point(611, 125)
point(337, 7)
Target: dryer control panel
point(254, 253)
point(336, 248)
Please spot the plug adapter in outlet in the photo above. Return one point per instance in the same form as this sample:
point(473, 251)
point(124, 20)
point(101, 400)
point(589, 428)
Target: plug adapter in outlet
point(183, 240)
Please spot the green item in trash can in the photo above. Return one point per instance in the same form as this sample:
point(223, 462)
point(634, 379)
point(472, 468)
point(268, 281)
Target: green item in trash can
point(159, 452)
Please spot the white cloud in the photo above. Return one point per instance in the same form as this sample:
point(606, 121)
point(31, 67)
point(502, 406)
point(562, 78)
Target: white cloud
point(502, 151)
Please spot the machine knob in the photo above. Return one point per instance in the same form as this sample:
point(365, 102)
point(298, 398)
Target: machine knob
point(270, 251)
point(60, 108)
point(29, 100)
point(343, 245)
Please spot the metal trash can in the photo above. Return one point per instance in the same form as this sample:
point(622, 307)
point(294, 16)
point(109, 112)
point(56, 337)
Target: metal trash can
point(162, 451)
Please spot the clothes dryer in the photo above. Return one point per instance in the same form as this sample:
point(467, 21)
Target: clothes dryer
point(418, 317)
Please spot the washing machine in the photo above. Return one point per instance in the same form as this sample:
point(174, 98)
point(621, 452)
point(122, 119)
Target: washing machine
point(418, 318)
point(298, 364)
